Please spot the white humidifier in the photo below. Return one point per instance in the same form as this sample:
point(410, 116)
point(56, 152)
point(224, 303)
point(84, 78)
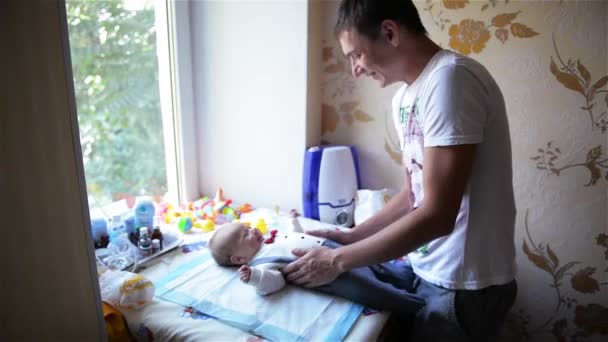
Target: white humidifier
point(330, 183)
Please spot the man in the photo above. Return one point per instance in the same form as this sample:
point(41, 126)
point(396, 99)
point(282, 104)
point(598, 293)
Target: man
point(455, 215)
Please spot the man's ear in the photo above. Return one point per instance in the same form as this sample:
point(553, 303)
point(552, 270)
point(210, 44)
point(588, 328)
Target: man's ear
point(389, 30)
point(237, 260)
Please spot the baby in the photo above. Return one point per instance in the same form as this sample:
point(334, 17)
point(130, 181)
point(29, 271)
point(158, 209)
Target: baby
point(382, 286)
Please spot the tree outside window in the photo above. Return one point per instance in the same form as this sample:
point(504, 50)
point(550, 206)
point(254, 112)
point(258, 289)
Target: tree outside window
point(115, 68)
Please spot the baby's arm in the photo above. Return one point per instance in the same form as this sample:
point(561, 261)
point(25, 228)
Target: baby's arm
point(266, 280)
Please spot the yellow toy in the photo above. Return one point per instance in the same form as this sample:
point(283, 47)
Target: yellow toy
point(261, 226)
point(205, 225)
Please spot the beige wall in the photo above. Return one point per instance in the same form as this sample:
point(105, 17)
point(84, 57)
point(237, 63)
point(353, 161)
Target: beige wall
point(48, 281)
point(559, 142)
point(250, 88)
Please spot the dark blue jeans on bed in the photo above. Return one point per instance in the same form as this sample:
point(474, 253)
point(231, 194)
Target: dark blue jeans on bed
point(383, 286)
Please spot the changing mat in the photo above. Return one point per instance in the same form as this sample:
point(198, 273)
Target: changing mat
point(291, 314)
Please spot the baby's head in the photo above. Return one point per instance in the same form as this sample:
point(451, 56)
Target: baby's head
point(235, 244)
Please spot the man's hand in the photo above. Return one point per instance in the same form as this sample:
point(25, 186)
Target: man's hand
point(343, 237)
point(315, 267)
point(245, 272)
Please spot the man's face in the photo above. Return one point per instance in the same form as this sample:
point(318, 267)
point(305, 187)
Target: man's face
point(367, 57)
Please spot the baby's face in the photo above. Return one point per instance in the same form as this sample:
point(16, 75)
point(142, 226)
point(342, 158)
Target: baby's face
point(245, 242)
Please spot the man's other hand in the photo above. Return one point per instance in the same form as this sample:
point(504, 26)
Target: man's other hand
point(343, 237)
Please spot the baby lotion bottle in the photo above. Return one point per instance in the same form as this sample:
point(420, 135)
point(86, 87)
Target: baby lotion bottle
point(144, 212)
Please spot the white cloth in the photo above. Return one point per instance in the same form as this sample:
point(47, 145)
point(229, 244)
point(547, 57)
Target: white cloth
point(293, 314)
point(456, 101)
point(267, 277)
point(125, 290)
point(369, 202)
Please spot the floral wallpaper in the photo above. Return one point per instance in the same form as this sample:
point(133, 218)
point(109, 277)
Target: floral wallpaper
point(550, 59)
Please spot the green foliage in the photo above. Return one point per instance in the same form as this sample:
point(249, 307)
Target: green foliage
point(115, 71)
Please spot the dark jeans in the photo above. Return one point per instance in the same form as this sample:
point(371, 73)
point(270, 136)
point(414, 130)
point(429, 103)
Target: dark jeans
point(461, 315)
point(384, 286)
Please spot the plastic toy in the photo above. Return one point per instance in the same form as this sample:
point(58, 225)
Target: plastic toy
point(205, 225)
point(261, 226)
point(184, 224)
point(245, 208)
point(221, 219)
point(205, 213)
point(273, 234)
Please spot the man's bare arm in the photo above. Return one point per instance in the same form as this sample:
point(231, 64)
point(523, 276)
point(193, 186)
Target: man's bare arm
point(397, 207)
point(445, 177)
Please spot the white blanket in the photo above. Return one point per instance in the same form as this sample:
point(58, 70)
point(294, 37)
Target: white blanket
point(292, 314)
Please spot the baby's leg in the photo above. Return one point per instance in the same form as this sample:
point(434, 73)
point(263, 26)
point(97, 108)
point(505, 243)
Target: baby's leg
point(362, 286)
point(383, 286)
point(399, 274)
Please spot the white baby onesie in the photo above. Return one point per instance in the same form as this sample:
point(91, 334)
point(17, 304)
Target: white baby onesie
point(266, 277)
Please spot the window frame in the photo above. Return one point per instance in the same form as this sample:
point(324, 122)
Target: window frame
point(178, 112)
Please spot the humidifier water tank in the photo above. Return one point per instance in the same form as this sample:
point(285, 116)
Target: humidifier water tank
point(330, 182)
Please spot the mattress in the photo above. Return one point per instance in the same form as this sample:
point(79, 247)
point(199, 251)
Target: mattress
point(162, 320)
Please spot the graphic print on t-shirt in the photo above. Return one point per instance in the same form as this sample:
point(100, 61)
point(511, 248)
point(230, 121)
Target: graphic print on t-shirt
point(414, 147)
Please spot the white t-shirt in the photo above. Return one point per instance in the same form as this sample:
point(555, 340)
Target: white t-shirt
point(456, 101)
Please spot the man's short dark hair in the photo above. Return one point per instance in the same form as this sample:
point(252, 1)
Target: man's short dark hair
point(366, 16)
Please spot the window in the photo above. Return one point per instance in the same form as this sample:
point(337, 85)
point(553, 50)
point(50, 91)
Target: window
point(126, 124)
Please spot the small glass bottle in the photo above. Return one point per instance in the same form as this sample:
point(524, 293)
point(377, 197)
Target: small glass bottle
point(156, 233)
point(155, 246)
point(145, 243)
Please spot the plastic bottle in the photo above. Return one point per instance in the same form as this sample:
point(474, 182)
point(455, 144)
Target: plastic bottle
point(145, 243)
point(99, 226)
point(131, 231)
point(144, 212)
point(117, 227)
point(156, 233)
